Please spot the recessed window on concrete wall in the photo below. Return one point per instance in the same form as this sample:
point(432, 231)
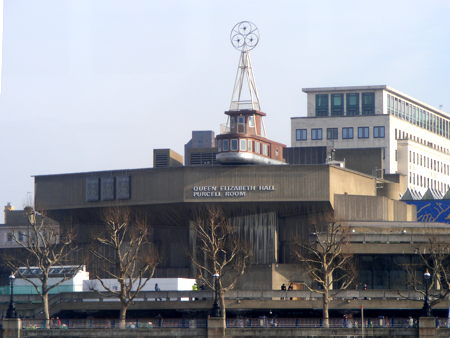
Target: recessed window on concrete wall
point(107, 188)
point(92, 189)
point(363, 132)
point(321, 104)
point(301, 134)
point(347, 133)
point(337, 104)
point(316, 134)
point(332, 133)
point(378, 132)
point(368, 103)
point(352, 104)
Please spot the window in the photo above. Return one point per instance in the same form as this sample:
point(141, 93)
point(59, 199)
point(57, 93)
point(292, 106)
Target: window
point(368, 103)
point(251, 121)
point(321, 104)
point(316, 134)
point(257, 147)
point(243, 144)
point(332, 133)
point(241, 124)
point(225, 144)
point(9, 237)
point(347, 133)
point(301, 134)
point(250, 148)
point(337, 104)
point(21, 236)
point(378, 132)
point(219, 146)
point(234, 145)
point(265, 149)
point(363, 132)
point(232, 123)
point(352, 104)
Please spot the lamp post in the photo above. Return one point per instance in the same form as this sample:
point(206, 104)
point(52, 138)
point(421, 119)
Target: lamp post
point(216, 311)
point(11, 312)
point(426, 303)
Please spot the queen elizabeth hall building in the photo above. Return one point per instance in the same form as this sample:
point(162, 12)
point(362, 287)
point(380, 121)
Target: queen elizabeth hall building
point(272, 207)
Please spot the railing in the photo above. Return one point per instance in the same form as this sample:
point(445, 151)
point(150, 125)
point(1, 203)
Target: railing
point(379, 322)
point(261, 322)
point(144, 296)
point(147, 323)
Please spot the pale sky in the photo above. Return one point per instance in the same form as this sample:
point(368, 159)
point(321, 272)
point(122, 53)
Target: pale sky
point(98, 84)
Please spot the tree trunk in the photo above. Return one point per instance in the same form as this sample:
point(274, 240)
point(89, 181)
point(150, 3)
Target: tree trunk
point(325, 306)
point(123, 315)
point(46, 308)
point(222, 303)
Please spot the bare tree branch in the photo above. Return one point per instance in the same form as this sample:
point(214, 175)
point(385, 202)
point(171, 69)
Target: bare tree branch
point(131, 258)
point(46, 248)
point(219, 251)
point(326, 263)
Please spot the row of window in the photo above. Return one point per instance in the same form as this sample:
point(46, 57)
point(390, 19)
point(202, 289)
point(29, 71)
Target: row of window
point(418, 116)
point(239, 122)
point(348, 104)
point(429, 163)
point(243, 144)
point(427, 182)
point(333, 133)
point(401, 135)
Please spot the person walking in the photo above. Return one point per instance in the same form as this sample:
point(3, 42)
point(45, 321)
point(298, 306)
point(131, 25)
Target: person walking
point(283, 288)
point(157, 289)
point(291, 288)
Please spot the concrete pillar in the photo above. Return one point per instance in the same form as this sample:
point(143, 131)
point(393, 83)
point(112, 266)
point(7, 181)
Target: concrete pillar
point(12, 327)
point(216, 327)
point(427, 327)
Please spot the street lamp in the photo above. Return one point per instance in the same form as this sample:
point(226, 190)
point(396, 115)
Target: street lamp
point(11, 312)
point(426, 303)
point(216, 311)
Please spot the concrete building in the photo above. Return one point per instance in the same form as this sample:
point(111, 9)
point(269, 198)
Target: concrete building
point(414, 137)
point(272, 207)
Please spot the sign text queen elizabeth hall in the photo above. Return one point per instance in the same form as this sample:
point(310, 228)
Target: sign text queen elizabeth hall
point(228, 190)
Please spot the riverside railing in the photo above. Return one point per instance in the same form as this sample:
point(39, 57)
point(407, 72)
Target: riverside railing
point(146, 323)
point(168, 296)
point(261, 322)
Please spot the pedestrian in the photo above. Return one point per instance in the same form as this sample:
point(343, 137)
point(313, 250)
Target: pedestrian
point(283, 288)
point(410, 321)
point(291, 288)
point(157, 289)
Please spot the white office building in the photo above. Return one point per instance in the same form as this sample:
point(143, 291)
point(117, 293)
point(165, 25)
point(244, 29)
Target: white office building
point(414, 136)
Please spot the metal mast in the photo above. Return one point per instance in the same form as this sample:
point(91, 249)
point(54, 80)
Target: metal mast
point(244, 37)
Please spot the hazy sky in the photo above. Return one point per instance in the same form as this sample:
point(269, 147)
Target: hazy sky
point(98, 84)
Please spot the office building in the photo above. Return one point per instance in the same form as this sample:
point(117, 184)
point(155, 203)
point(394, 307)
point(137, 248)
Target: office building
point(414, 137)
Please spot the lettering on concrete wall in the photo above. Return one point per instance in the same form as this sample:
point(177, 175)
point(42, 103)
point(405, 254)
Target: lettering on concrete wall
point(211, 191)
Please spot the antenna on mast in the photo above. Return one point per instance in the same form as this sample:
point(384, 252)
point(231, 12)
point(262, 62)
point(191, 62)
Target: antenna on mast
point(244, 37)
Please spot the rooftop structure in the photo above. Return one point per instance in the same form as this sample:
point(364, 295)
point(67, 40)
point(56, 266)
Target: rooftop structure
point(244, 139)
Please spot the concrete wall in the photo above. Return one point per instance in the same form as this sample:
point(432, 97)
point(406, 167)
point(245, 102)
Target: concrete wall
point(371, 208)
point(204, 184)
point(233, 332)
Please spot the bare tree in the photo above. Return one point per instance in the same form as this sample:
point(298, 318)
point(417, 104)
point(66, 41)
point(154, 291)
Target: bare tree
point(326, 263)
point(219, 252)
point(46, 247)
point(432, 257)
point(127, 255)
